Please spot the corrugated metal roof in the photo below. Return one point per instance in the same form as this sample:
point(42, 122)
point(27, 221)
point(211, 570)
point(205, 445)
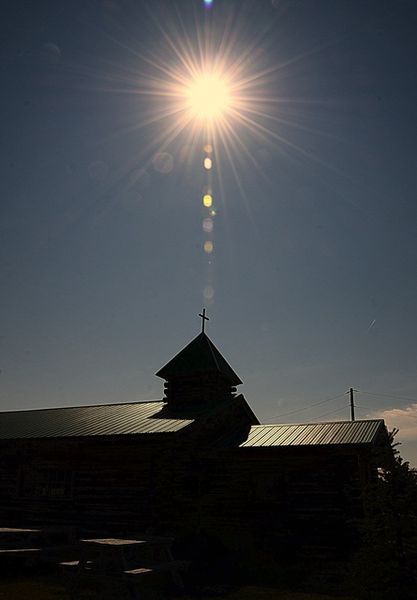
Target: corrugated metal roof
point(79, 421)
point(314, 434)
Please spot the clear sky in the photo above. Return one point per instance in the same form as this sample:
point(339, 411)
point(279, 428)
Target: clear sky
point(311, 287)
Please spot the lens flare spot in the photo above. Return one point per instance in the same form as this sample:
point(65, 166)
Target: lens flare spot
point(213, 213)
point(208, 148)
point(208, 163)
point(51, 53)
point(208, 225)
point(163, 162)
point(208, 247)
point(208, 292)
point(207, 200)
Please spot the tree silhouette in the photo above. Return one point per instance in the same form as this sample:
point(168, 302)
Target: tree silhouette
point(386, 564)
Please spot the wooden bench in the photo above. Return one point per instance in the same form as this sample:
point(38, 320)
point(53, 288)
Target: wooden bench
point(171, 566)
point(138, 572)
point(19, 551)
point(73, 565)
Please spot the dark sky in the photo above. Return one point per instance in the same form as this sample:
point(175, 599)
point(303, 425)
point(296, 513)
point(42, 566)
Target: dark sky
point(313, 274)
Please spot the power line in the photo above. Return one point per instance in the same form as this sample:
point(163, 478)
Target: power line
point(361, 406)
point(333, 411)
point(293, 412)
point(364, 406)
point(387, 396)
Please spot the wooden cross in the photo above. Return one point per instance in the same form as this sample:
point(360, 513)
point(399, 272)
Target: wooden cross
point(203, 319)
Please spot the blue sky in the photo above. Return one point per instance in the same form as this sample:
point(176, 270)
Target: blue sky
point(315, 248)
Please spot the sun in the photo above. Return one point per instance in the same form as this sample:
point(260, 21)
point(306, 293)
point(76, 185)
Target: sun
point(208, 84)
point(208, 97)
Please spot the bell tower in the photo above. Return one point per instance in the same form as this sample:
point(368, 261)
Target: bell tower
point(198, 375)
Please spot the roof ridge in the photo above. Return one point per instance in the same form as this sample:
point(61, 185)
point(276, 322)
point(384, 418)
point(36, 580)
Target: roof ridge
point(318, 423)
point(211, 347)
point(23, 410)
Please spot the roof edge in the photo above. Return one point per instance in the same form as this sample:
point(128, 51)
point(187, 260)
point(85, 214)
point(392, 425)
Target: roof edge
point(23, 410)
point(319, 422)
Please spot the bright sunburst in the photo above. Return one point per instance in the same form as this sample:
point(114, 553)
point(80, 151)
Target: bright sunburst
point(208, 96)
point(204, 89)
point(205, 86)
point(206, 78)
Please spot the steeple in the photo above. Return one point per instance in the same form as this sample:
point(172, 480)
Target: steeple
point(198, 374)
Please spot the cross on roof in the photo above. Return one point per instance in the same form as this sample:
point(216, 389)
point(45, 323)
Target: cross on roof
point(203, 319)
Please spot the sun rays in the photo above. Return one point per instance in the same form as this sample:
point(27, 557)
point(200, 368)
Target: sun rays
point(206, 86)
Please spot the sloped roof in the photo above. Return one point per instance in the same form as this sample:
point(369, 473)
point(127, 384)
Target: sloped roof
point(84, 421)
point(199, 356)
point(315, 434)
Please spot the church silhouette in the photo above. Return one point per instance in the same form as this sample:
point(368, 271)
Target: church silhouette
point(197, 465)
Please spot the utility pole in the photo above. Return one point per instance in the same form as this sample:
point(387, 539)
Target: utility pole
point(352, 405)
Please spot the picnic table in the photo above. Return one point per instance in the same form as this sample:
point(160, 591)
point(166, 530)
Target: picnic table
point(35, 541)
point(19, 541)
point(122, 562)
point(11, 535)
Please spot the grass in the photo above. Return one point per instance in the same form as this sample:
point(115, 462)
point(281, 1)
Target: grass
point(271, 593)
point(47, 588)
point(33, 588)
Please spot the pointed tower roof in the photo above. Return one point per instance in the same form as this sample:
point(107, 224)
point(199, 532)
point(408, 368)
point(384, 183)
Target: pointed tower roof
point(199, 356)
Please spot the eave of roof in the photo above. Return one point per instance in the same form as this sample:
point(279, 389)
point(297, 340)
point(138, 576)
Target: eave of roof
point(315, 434)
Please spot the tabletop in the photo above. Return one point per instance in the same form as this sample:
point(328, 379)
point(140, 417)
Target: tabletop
point(18, 530)
point(113, 542)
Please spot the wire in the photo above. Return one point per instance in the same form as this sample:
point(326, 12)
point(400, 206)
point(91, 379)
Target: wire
point(360, 406)
point(333, 411)
point(293, 412)
point(388, 396)
point(364, 406)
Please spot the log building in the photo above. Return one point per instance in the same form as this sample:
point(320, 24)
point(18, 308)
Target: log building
point(197, 464)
